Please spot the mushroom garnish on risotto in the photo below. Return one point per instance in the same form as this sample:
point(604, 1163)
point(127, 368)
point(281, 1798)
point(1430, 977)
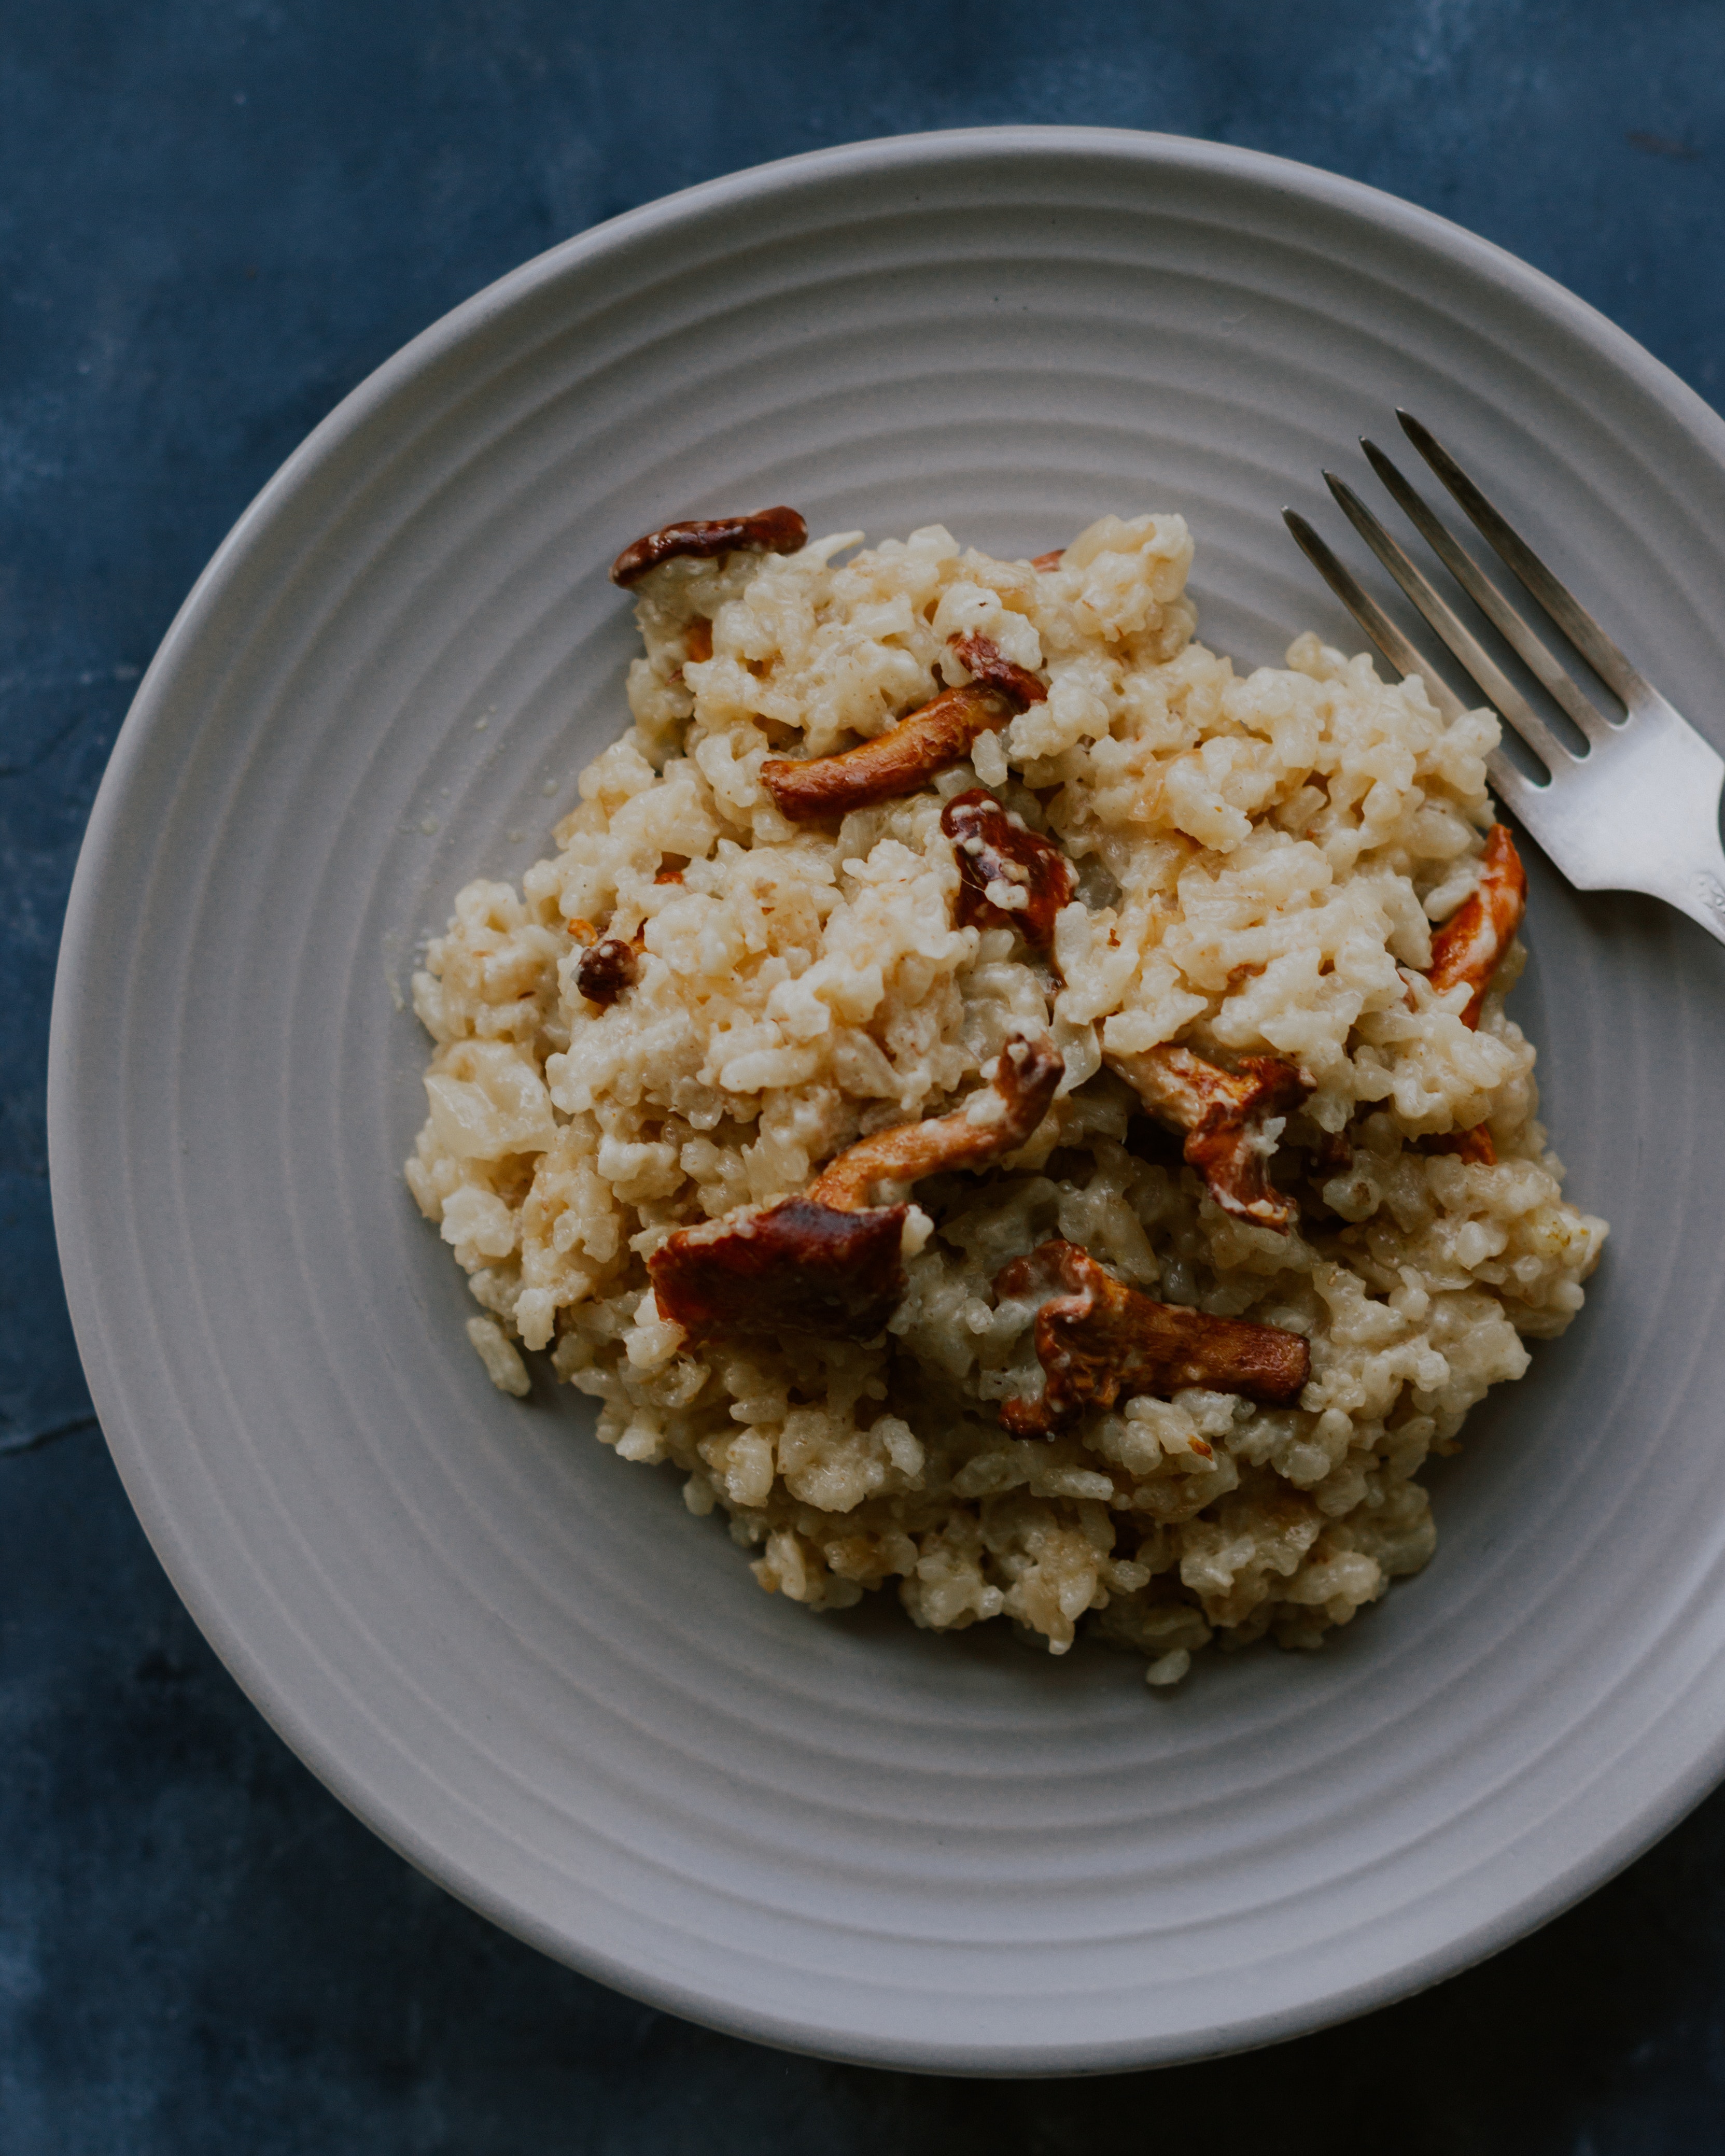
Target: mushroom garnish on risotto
point(1100, 1338)
point(1227, 1118)
point(827, 1261)
point(767, 531)
point(1469, 945)
point(920, 870)
point(1009, 876)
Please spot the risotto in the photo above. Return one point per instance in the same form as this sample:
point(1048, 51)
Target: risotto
point(1003, 1104)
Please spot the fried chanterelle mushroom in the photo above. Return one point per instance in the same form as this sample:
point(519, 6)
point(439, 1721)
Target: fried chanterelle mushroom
point(604, 969)
point(829, 1261)
point(919, 747)
point(768, 532)
point(1098, 1341)
point(1009, 876)
point(1467, 952)
point(1231, 1120)
point(1472, 943)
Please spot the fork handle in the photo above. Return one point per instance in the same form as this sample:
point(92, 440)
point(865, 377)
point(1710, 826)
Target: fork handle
point(1705, 900)
point(1691, 875)
point(1642, 813)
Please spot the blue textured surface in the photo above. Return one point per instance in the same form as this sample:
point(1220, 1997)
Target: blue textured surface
point(216, 216)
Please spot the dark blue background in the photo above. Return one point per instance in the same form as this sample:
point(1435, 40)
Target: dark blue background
point(216, 216)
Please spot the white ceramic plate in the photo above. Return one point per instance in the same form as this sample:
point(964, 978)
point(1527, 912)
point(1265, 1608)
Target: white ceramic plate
point(517, 1657)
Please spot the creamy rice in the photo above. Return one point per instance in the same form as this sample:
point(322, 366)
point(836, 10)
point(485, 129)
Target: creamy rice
point(1259, 863)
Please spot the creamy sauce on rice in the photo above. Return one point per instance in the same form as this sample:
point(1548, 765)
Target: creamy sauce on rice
point(1256, 865)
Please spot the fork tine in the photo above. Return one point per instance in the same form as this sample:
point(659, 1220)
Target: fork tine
point(1371, 617)
point(1577, 623)
point(1513, 787)
point(1539, 656)
point(1496, 686)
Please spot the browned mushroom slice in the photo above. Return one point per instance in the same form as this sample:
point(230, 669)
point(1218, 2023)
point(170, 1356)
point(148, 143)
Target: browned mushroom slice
point(1025, 1078)
point(768, 532)
point(900, 761)
point(1223, 1114)
point(922, 745)
point(605, 970)
point(1099, 1341)
point(799, 1266)
point(982, 657)
point(1008, 876)
point(829, 1262)
point(1470, 945)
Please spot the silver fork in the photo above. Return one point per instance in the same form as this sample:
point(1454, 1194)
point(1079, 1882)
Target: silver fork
point(1638, 809)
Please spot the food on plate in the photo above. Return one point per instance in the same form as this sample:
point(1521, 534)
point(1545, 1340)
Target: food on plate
point(1098, 1339)
point(1470, 945)
point(829, 1262)
point(1010, 1107)
point(906, 756)
point(1225, 1118)
point(1008, 876)
point(768, 532)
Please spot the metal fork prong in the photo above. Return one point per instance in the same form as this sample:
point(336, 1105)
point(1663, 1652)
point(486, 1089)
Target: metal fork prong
point(1513, 787)
point(1494, 683)
point(1371, 617)
point(1577, 623)
point(1541, 660)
